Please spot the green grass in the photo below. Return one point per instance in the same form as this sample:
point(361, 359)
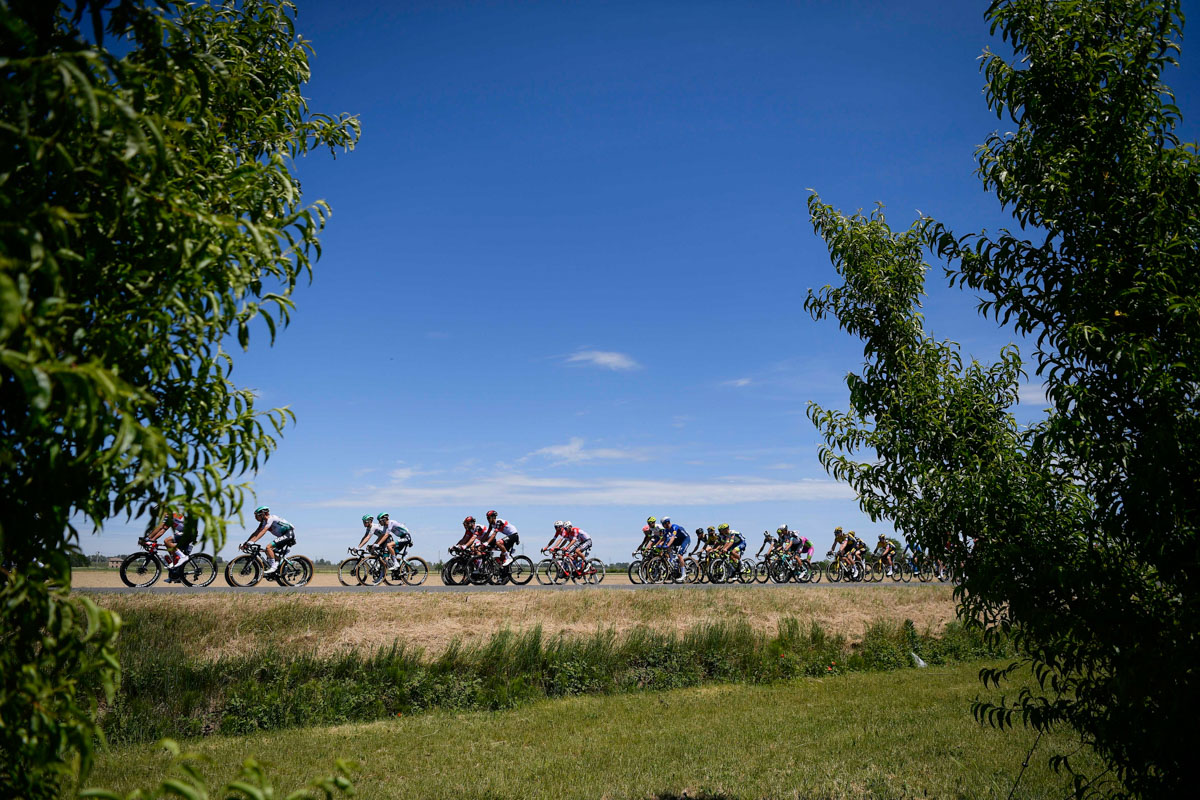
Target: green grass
point(167, 691)
point(903, 734)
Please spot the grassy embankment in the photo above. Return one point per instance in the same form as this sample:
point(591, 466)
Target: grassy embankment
point(227, 624)
point(174, 686)
point(903, 734)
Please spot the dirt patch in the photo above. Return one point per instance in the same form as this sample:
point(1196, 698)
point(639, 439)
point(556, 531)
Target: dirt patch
point(327, 623)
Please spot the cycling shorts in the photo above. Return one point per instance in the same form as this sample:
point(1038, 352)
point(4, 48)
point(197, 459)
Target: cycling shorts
point(681, 542)
point(510, 541)
point(740, 547)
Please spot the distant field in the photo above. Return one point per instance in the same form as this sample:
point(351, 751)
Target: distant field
point(904, 734)
point(222, 624)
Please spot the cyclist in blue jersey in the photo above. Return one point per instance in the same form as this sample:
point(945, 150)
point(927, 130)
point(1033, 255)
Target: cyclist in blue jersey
point(676, 539)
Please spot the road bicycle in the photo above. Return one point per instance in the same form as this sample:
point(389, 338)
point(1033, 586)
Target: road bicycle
point(664, 567)
point(143, 569)
point(375, 567)
point(724, 568)
point(251, 567)
point(348, 569)
point(850, 569)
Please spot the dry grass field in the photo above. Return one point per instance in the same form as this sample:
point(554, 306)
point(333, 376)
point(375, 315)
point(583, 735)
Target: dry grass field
point(228, 622)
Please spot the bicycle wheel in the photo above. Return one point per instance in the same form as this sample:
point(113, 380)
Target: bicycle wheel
point(140, 570)
point(654, 570)
point(370, 571)
point(456, 571)
point(545, 571)
point(295, 571)
point(416, 570)
point(521, 570)
point(244, 570)
point(762, 572)
point(596, 566)
point(746, 572)
point(833, 572)
point(780, 571)
point(346, 571)
point(814, 573)
point(635, 571)
point(200, 570)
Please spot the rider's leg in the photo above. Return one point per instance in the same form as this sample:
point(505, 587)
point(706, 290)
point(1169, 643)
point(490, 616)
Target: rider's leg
point(271, 565)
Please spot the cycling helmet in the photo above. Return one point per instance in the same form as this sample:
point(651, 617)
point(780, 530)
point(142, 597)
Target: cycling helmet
point(781, 529)
point(367, 518)
point(381, 515)
point(711, 529)
point(261, 509)
point(479, 529)
point(645, 529)
point(724, 526)
point(882, 536)
point(491, 514)
point(837, 530)
point(568, 524)
point(558, 524)
point(666, 521)
point(468, 522)
point(699, 531)
point(650, 521)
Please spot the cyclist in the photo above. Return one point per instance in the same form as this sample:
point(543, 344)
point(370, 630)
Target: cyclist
point(577, 543)
point(503, 534)
point(843, 547)
point(282, 534)
point(469, 533)
point(800, 548)
point(858, 550)
point(650, 534)
point(172, 522)
point(782, 541)
point(732, 542)
point(395, 534)
point(369, 529)
point(676, 539)
point(558, 534)
point(885, 550)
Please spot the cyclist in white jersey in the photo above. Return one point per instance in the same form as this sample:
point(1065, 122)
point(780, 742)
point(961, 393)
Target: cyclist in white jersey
point(395, 534)
point(577, 542)
point(503, 534)
point(278, 527)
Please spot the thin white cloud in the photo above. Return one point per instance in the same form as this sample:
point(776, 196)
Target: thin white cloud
point(738, 382)
point(1029, 394)
point(780, 465)
point(574, 451)
point(515, 488)
point(608, 359)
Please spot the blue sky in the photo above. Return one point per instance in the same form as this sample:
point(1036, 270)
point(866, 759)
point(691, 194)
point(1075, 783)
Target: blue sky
point(565, 270)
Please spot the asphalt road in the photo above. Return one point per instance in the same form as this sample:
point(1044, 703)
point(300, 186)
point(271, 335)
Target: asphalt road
point(438, 587)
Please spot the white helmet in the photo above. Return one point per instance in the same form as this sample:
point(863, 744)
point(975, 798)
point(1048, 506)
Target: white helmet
point(567, 524)
point(558, 523)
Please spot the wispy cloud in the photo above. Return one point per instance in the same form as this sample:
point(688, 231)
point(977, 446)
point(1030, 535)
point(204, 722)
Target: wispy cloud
point(574, 452)
point(737, 382)
point(1029, 394)
point(516, 488)
point(607, 359)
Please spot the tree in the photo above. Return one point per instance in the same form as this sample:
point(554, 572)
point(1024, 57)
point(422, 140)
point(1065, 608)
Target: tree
point(148, 213)
point(1077, 535)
